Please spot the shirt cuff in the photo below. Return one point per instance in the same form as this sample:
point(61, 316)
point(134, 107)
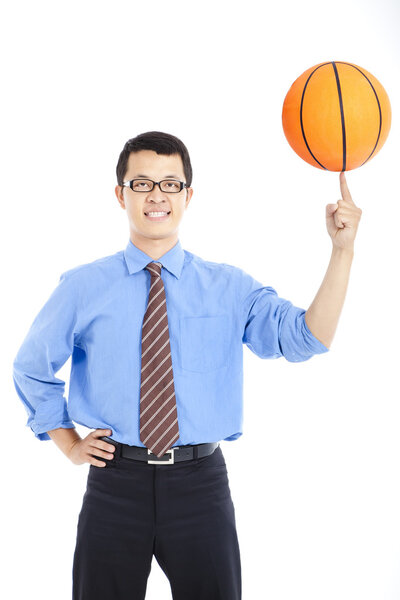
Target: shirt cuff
point(50, 414)
point(45, 436)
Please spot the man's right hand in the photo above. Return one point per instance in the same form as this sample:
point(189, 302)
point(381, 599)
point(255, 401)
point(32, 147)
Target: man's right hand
point(82, 450)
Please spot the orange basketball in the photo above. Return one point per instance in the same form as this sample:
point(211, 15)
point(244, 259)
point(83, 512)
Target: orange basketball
point(336, 116)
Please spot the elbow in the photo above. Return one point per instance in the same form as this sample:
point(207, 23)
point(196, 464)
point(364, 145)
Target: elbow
point(325, 342)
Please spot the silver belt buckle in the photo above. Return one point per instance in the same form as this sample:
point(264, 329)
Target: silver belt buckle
point(170, 461)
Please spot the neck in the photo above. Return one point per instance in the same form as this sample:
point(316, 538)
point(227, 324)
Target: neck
point(155, 248)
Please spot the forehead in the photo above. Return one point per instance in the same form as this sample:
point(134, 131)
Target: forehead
point(151, 164)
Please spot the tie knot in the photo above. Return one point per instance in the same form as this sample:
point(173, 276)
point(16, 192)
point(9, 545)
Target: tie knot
point(154, 268)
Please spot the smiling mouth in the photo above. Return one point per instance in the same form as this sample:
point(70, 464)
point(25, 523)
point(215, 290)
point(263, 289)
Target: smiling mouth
point(147, 214)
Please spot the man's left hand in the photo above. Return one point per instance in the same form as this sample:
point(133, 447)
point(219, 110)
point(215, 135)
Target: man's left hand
point(342, 218)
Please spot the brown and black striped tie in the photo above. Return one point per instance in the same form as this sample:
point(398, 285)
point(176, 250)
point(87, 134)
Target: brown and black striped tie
point(158, 414)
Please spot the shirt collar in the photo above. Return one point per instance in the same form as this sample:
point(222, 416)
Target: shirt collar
point(172, 260)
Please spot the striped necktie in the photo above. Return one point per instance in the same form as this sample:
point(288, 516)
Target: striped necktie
point(158, 414)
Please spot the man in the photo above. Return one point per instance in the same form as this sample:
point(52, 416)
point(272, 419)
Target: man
point(156, 337)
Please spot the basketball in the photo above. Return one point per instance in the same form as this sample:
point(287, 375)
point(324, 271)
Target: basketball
point(336, 116)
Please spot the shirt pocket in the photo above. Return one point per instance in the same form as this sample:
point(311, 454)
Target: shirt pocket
point(204, 342)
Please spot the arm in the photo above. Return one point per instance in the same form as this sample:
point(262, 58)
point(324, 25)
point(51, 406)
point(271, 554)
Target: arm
point(64, 438)
point(342, 221)
point(47, 346)
point(323, 314)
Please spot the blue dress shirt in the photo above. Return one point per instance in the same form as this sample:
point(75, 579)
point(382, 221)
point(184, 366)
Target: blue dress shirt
point(95, 314)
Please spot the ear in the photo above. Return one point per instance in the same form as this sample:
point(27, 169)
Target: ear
point(120, 196)
point(188, 196)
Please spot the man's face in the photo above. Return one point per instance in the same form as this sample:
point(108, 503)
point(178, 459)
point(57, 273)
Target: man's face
point(148, 164)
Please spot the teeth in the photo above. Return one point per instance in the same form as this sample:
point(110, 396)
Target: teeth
point(157, 214)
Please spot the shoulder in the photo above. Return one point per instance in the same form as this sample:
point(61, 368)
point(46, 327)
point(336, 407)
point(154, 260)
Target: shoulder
point(232, 272)
point(104, 268)
point(197, 262)
point(234, 279)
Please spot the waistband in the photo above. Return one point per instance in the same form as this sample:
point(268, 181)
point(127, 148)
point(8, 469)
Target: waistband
point(173, 455)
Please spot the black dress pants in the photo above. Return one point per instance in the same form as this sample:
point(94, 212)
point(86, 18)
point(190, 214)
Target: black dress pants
point(181, 513)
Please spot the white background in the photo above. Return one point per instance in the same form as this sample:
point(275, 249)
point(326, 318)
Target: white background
point(315, 477)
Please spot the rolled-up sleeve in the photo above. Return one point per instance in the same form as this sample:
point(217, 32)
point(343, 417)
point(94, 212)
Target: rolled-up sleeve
point(47, 346)
point(272, 326)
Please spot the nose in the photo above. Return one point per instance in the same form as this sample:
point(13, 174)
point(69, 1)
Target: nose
point(156, 195)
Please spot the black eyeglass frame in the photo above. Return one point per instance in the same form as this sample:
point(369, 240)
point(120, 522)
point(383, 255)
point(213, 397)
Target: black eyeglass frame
point(130, 184)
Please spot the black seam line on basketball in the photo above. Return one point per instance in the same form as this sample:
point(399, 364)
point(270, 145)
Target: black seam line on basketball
point(301, 116)
point(379, 106)
point(341, 115)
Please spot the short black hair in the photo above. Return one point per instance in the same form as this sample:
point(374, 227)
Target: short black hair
point(160, 142)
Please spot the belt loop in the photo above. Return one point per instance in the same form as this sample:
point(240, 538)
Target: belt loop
point(195, 452)
point(117, 451)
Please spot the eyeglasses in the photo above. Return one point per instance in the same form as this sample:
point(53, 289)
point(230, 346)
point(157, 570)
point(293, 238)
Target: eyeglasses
point(146, 185)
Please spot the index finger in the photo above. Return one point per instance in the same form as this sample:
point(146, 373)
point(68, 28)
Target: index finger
point(344, 189)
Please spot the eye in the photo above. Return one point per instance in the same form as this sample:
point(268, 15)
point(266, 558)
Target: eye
point(144, 185)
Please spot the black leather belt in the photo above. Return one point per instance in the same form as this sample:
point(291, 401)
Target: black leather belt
point(173, 455)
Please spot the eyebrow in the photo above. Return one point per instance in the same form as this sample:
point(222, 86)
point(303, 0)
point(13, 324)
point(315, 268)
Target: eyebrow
point(147, 177)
